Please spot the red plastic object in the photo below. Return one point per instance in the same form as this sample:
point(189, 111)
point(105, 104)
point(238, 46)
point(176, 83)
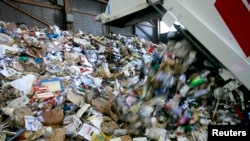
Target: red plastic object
point(151, 49)
point(237, 110)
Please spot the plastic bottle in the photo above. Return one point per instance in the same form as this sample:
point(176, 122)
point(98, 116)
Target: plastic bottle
point(24, 59)
point(199, 79)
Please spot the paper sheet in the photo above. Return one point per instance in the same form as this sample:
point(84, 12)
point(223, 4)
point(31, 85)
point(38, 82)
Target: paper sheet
point(87, 130)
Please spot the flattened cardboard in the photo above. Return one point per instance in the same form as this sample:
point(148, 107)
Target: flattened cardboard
point(54, 84)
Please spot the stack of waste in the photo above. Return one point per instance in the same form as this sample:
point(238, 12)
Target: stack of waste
point(58, 85)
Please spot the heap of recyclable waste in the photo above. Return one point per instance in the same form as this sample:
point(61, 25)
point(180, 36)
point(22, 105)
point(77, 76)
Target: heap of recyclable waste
point(58, 85)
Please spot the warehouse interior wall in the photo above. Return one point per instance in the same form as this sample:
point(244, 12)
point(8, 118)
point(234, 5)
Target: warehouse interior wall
point(10, 14)
point(127, 31)
point(83, 11)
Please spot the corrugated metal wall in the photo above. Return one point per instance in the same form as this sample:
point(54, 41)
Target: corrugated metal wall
point(83, 11)
point(10, 14)
point(85, 22)
point(127, 31)
point(82, 21)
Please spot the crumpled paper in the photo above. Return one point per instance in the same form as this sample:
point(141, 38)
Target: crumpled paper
point(72, 124)
point(57, 135)
point(32, 123)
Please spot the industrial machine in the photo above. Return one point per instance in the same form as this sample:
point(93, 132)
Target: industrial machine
point(220, 26)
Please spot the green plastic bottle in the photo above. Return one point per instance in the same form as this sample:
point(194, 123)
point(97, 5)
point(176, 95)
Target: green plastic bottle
point(199, 79)
point(24, 58)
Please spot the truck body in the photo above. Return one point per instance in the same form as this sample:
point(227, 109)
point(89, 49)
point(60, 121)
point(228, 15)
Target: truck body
point(220, 26)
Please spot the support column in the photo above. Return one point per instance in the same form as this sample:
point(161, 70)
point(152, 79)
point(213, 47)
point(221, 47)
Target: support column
point(69, 15)
point(157, 30)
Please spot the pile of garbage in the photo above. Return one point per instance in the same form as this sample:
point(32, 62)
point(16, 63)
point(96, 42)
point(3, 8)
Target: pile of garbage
point(58, 85)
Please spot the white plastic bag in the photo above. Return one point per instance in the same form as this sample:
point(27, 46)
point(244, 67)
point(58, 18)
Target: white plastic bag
point(24, 84)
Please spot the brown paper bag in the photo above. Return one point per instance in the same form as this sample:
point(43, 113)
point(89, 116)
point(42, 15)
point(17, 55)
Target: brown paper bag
point(54, 116)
